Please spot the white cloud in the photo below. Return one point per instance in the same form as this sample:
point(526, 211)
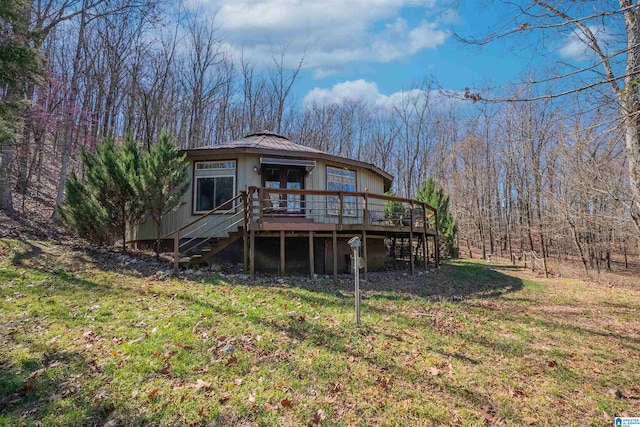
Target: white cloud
point(329, 33)
point(368, 92)
point(357, 90)
point(576, 46)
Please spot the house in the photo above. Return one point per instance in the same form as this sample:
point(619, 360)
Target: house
point(275, 205)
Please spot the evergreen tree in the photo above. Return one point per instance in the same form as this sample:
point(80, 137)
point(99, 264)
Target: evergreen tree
point(393, 209)
point(84, 213)
point(446, 226)
point(163, 180)
point(101, 207)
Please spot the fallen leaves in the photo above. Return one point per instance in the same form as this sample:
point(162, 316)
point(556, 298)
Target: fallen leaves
point(384, 383)
point(286, 403)
point(318, 417)
point(153, 393)
point(232, 361)
point(200, 384)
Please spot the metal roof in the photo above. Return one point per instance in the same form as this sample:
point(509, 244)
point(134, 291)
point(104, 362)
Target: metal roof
point(266, 142)
point(263, 140)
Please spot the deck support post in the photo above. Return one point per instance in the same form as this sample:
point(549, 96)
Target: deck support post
point(364, 253)
point(176, 251)
point(311, 255)
point(282, 252)
point(334, 238)
point(425, 244)
point(252, 253)
point(245, 230)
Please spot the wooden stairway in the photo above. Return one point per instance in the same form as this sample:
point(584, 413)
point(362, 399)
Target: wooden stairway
point(215, 246)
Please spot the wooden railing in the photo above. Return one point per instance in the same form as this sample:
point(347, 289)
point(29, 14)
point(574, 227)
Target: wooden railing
point(215, 218)
point(340, 207)
point(259, 205)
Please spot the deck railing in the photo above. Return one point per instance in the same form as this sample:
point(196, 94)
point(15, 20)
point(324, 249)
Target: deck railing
point(343, 208)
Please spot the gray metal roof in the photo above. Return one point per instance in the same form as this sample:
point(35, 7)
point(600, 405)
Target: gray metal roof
point(263, 140)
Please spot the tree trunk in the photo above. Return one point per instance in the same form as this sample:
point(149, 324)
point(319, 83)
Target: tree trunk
point(7, 149)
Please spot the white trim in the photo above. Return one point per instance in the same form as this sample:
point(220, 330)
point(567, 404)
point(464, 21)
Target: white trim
point(215, 169)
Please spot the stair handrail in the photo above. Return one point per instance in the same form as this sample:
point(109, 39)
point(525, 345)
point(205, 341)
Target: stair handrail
point(176, 233)
point(213, 227)
point(203, 216)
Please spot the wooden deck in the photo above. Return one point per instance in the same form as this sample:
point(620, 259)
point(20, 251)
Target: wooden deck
point(316, 213)
point(270, 212)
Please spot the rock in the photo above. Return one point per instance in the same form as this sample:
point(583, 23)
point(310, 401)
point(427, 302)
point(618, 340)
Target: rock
point(280, 281)
point(198, 273)
point(215, 267)
point(228, 348)
point(243, 276)
point(160, 274)
point(187, 272)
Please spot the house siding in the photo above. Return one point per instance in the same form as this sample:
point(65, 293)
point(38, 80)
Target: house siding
point(316, 206)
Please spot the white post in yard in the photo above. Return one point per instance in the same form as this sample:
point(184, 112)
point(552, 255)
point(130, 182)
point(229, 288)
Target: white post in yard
point(355, 244)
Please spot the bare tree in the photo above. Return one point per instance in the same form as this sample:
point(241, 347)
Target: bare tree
point(614, 61)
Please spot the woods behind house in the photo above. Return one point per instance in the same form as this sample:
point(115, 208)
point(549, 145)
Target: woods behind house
point(548, 175)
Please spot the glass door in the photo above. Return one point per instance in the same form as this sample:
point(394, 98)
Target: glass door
point(295, 180)
point(289, 177)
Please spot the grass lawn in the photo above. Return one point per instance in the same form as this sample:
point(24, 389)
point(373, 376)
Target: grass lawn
point(471, 344)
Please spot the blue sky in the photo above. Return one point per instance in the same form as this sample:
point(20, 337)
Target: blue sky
point(373, 49)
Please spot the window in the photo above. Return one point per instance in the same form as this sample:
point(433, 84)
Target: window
point(214, 184)
point(341, 180)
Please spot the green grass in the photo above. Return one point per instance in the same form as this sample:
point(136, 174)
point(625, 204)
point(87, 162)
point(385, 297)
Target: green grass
point(471, 344)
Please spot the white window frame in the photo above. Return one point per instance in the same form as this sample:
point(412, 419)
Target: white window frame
point(350, 203)
point(212, 169)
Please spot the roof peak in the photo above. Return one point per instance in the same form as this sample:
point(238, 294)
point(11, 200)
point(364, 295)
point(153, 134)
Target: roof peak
point(265, 132)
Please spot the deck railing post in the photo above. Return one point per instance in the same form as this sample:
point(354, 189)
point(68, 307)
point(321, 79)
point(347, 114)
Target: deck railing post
point(411, 254)
point(340, 205)
point(365, 209)
point(261, 205)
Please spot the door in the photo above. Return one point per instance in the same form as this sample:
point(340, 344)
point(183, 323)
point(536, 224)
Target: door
point(289, 177)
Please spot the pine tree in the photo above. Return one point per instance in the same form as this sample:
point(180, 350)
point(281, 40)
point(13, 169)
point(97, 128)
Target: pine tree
point(446, 226)
point(393, 209)
point(110, 190)
point(163, 180)
point(83, 212)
